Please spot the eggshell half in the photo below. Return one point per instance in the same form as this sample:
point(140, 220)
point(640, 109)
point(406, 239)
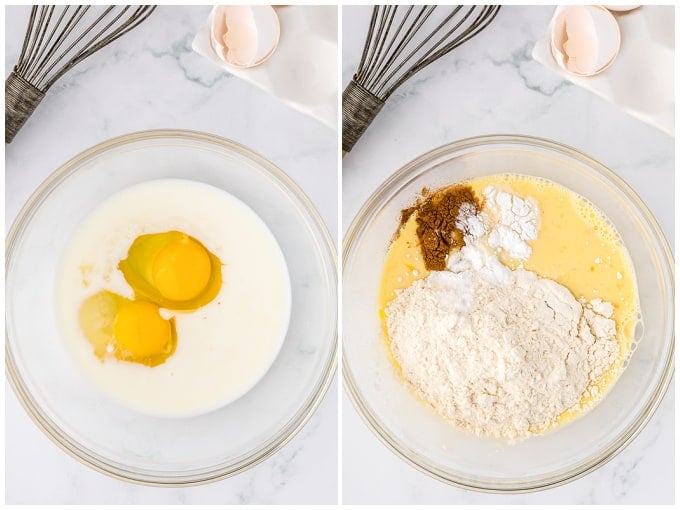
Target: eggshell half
point(584, 40)
point(244, 36)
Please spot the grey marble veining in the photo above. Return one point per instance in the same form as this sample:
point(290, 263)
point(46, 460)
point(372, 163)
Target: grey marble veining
point(491, 85)
point(152, 79)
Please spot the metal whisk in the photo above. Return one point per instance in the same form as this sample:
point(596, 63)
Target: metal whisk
point(401, 41)
point(57, 39)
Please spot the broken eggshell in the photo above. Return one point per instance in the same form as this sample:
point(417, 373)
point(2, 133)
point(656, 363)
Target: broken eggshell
point(244, 36)
point(584, 40)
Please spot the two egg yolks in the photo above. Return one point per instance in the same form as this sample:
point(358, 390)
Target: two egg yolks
point(170, 270)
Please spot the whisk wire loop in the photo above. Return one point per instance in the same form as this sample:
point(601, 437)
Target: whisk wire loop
point(46, 65)
point(377, 41)
point(138, 17)
point(40, 55)
point(484, 19)
point(459, 34)
point(38, 35)
point(410, 33)
point(367, 44)
point(83, 52)
point(24, 46)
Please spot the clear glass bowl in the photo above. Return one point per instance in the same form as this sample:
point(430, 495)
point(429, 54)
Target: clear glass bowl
point(113, 438)
point(410, 428)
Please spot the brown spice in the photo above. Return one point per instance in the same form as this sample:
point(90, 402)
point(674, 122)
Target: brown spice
point(436, 218)
point(406, 213)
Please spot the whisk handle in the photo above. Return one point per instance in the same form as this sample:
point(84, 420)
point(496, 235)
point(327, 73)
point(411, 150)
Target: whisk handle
point(21, 98)
point(359, 108)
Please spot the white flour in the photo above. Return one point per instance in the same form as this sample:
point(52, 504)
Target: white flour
point(501, 353)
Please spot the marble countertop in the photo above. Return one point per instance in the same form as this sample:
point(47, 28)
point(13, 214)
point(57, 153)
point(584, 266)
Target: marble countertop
point(491, 85)
point(152, 79)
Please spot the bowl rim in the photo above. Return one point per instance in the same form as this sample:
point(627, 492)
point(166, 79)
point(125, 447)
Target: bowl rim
point(213, 473)
point(593, 462)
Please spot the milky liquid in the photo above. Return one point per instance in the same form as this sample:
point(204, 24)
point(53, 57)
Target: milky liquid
point(224, 347)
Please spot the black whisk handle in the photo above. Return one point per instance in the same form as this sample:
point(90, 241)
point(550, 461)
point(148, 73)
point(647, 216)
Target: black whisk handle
point(21, 98)
point(359, 108)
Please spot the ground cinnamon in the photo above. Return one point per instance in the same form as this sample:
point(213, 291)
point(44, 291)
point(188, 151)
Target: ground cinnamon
point(436, 218)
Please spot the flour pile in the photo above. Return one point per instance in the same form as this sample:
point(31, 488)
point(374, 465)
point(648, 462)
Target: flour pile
point(499, 352)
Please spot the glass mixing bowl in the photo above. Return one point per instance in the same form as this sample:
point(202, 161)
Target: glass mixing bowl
point(409, 427)
point(113, 438)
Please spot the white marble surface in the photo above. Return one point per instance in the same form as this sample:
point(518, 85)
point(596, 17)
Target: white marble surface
point(152, 79)
point(491, 85)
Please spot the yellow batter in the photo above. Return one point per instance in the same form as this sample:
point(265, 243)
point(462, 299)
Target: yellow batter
point(576, 246)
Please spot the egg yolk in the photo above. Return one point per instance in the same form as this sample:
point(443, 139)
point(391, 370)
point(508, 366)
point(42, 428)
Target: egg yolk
point(172, 270)
point(140, 331)
point(127, 330)
point(181, 270)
